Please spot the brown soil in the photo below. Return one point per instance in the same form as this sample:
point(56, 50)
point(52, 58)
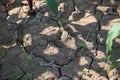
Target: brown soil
point(42, 55)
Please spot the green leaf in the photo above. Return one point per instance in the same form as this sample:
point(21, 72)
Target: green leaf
point(118, 60)
point(112, 34)
point(59, 20)
point(53, 5)
point(85, 70)
point(83, 46)
point(29, 76)
point(113, 65)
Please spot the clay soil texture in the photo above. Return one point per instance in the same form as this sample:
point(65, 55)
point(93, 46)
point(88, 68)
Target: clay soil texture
point(31, 47)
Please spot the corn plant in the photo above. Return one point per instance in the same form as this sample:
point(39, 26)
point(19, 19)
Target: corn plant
point(112, 34)
point(52, 4)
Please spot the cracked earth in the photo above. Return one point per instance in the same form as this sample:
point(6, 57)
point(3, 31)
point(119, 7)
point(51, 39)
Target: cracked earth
point(42, 55)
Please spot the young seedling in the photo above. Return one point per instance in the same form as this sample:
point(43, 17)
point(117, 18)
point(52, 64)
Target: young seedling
point(85, 71)
point(112, 34)
point(83, 46)
point(52, 4)
point(29, 57)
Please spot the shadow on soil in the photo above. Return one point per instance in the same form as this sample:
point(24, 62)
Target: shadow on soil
point(83, 48)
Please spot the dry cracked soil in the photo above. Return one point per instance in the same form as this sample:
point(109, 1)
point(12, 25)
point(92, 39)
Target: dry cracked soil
point(31, 47)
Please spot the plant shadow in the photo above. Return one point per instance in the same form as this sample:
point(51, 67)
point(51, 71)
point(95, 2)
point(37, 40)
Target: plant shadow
point(85, 25)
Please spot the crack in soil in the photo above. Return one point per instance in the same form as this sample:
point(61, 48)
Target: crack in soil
point(101, 2)
point(20, 32)
point(46, 62)
point(24, 73)
point(74, 9)
point(68, 77)
point(49, 63)
point(97, 40)
point(54, 63)
point(73, 57)
point(97, 32)
point(60, 66)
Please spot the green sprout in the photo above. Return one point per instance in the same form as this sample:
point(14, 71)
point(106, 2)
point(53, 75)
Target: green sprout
point(83, 46)
point(52, 4)
point(112, 34)
point(85, 70)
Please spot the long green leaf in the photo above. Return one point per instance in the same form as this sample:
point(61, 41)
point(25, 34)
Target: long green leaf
point(118, 60)
point(113, 65)
point(112, 34)
point(53, 5)
point(59, 20)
